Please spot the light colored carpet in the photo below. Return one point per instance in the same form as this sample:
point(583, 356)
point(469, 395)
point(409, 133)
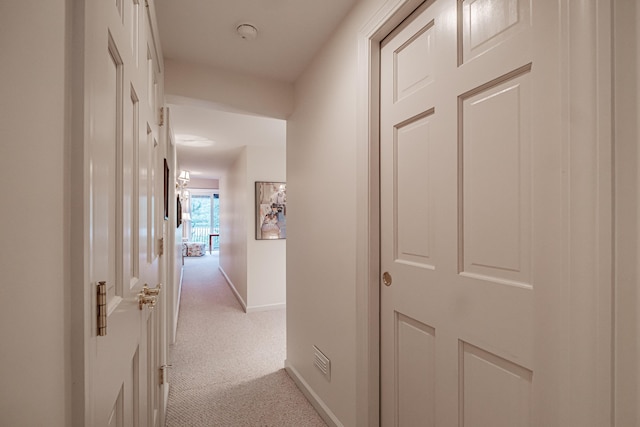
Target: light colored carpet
point(228, 365)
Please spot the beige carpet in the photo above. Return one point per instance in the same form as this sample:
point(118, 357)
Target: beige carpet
point(228, 365)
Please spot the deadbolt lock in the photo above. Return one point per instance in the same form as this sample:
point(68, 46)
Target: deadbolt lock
point(151, 291)
point(386, 278)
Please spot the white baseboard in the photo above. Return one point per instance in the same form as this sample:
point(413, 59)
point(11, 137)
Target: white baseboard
point(233, 289)
point(251, 309)
point(267, 307)
point(324, 411)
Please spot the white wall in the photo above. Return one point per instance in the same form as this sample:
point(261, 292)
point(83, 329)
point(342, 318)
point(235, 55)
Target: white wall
point(255, 268)
point(175, 270)
point(34, 326)
point(266, 259)
point(188, 83)
point(321, 242)
point(176, 286)
point(234, 210)
point(203, 183)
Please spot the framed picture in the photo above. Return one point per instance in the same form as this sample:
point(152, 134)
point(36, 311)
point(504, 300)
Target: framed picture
point(271, 210)
point(178, 212)
point(166, 189)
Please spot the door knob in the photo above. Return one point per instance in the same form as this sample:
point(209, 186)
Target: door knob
point(151, 291)
point(146, 299)
point(386, 278)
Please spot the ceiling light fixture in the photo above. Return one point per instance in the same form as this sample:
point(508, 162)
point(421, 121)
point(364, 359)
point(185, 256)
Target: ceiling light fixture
point(247, 31)
point(181, 185)
point(193, 141)
point(184, 176)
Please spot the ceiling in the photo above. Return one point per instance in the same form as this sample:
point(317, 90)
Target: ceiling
point(203, 32)
point(228, 132)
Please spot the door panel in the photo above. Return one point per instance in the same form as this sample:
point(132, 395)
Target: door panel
point(414, 63)
point(116, 417)
point(495, 177)
point(415, 372)
point(102, 265)
point(485, 24)
point(414, 204)
point(121, 195)
point(507, 403)
point(457, 172)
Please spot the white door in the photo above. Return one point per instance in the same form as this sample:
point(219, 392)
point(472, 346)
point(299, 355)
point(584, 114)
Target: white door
point(470, 202)
point(122, 161)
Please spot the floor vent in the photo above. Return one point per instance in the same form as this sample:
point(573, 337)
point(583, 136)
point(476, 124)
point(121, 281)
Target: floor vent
point(322, 362)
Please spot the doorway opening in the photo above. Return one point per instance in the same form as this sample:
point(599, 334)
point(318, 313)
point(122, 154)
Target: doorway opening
point(203, 226)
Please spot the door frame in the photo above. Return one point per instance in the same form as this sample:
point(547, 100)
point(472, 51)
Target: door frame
point(585, 96)
point(627, 198)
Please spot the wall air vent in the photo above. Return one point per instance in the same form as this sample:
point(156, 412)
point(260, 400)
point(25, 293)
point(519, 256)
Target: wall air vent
point(322, 362)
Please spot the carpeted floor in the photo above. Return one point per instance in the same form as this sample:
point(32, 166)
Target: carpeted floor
point(228, 365)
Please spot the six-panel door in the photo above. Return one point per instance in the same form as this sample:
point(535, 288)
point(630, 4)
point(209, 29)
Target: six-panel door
point(459, 229)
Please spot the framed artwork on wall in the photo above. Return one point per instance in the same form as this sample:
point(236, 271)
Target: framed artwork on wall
point(271, 210)
point(178, 212)
point(166, 189)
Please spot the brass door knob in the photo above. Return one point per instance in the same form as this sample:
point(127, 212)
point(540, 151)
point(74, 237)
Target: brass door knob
point(386, 278)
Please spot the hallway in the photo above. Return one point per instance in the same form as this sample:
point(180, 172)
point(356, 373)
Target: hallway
point(228, 365)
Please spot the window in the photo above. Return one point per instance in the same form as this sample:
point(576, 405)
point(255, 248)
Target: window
point(205, 217)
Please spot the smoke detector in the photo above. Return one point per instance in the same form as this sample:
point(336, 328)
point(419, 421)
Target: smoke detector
point(247, 31)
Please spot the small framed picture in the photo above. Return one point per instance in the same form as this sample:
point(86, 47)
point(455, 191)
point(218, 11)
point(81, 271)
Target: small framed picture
point(271, 210)
point(166, 189)
point(178, 212)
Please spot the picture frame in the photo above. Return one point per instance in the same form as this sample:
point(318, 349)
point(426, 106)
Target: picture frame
point(166, 190)
point(271, 210)
point(178, 212)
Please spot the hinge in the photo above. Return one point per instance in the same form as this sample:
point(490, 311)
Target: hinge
point(161, 121)
point(164, 374)
point(161, 246)
point(102, 308)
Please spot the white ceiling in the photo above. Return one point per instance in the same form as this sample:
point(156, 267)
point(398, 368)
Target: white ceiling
point(203, 32)
point(229, 132)
point(289, 33)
